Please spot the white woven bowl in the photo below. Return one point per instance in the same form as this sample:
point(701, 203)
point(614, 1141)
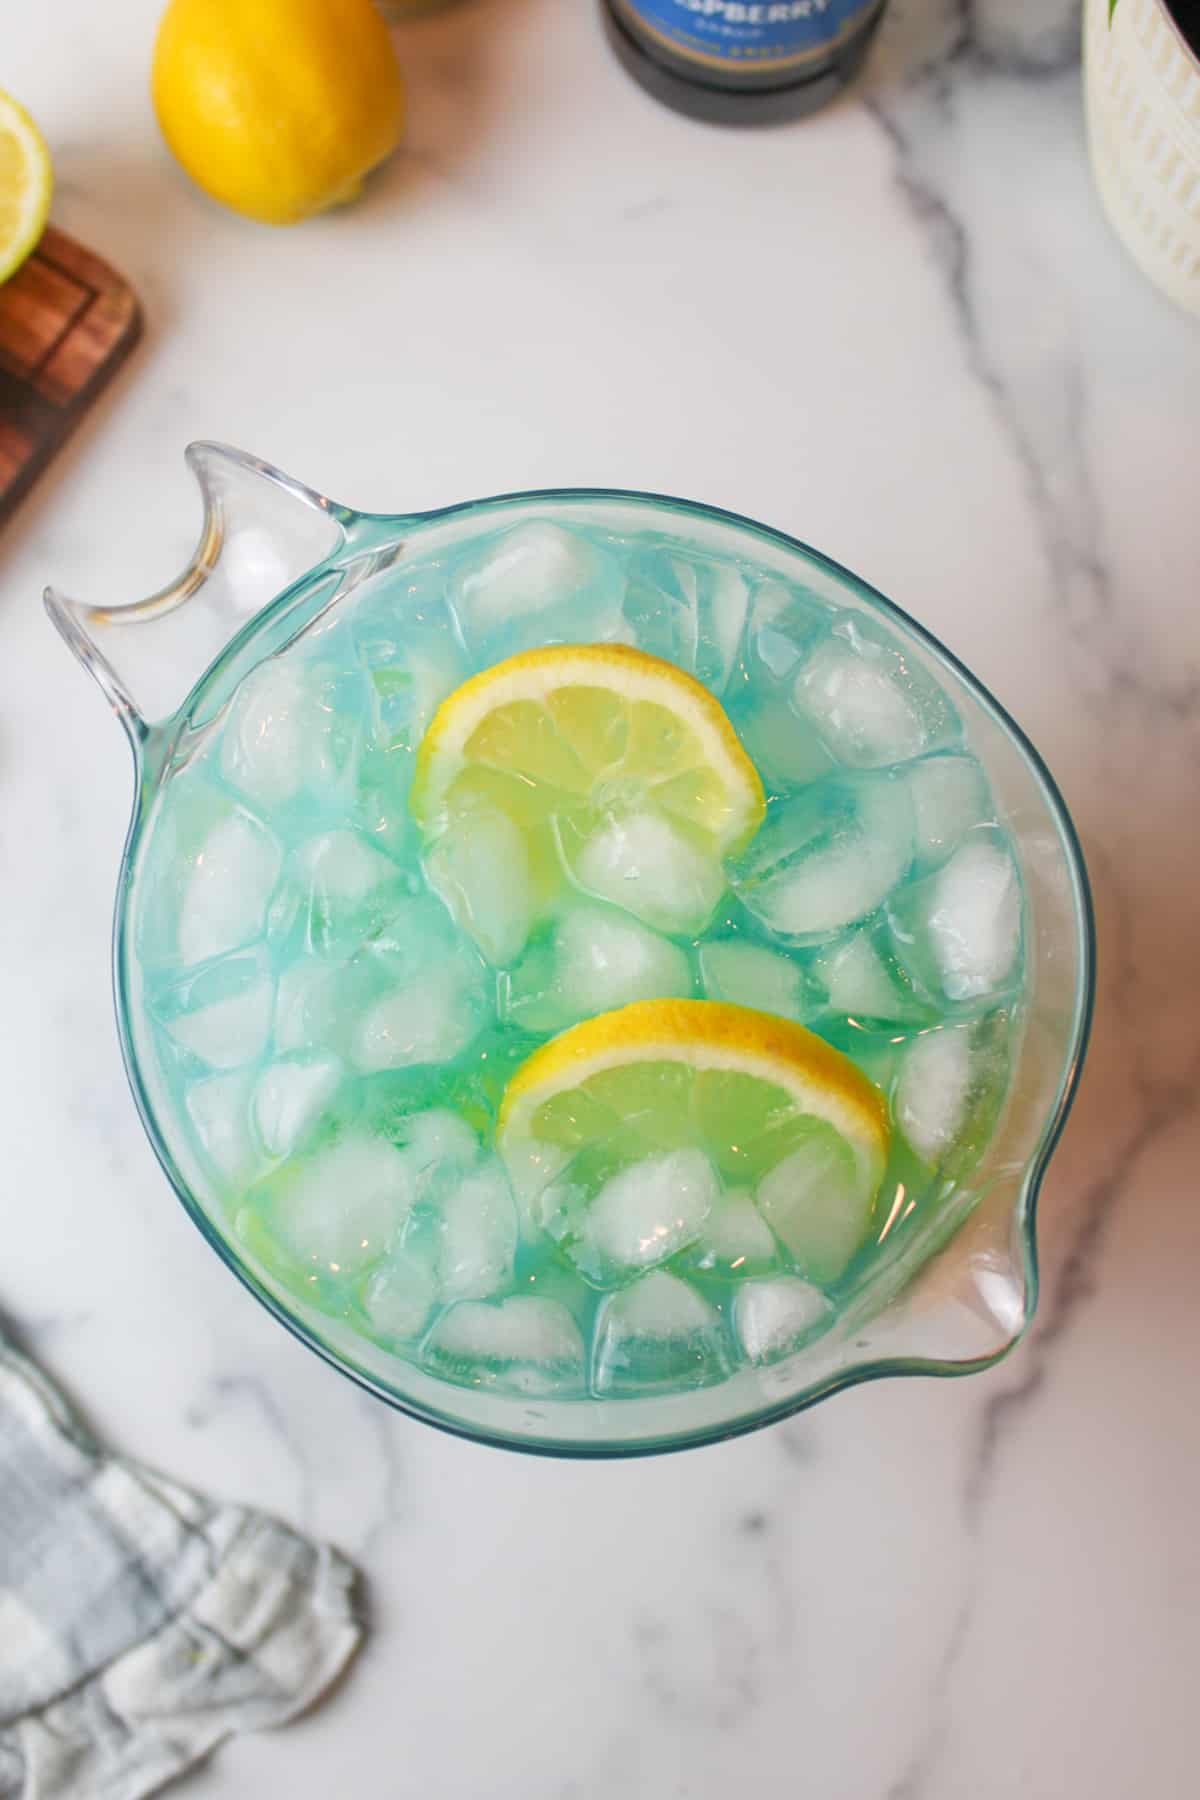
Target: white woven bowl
point(1142, 87)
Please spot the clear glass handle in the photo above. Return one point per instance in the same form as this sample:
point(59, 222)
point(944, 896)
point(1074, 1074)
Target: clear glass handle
point(261, 531)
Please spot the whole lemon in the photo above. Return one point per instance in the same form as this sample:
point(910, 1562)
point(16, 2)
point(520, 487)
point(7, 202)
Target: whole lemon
point(277, 108)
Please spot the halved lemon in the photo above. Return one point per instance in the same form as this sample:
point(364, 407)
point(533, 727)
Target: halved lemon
point(26, 183)
point(774, 1107)
point(611, 763)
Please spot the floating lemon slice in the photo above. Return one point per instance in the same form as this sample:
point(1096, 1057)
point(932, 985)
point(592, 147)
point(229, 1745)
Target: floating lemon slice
point(613, 764)
point(774, 1108)
point(26, 183)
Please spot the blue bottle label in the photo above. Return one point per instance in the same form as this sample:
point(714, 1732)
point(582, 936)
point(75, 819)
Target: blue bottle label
point(761, 34)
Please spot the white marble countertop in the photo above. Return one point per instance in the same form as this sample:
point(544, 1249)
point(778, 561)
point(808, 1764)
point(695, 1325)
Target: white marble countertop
point(902, 331)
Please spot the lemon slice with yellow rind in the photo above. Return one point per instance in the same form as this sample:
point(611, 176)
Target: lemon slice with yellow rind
point(26, 184)
point(774, 1107)
point(605, 759)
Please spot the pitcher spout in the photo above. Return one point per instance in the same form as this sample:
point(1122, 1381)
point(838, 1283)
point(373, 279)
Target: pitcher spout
point(260, 532)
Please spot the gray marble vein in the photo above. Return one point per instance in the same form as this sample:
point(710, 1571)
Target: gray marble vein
point(710, 1670)
point(226, 1391)
point(913, 1782)
point(1047, 441)
point(391, 1509)
point(1042, 404)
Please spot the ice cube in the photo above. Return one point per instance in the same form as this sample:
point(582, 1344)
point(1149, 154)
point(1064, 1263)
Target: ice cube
point(855, 978)
point(219, 1108)
point(657, 1334)
point(689, 610)
point(597, 959)
point(308, 1004)
point(522, 1345)
point(341, 1208)
point(290, 1097)
point(438, 1139)
point(933, 1090)
point(342, 869)
point(949, 795)
point(343, 889)
point(958, 932)
point(860, 977)
point(438, 1151)
point(407, 694)
point(643, 864)
point(816, 1202)
point(646, 1213)
point(478, 1235)
point(782, 623)
point(736, 1235)
point(225, 1014)
point(480, 867)
point(775, 1316)
point(264, 749)
point(870, 702)
point(411, 995)
point(226, 888)
point(875, 1047)
point(745, 974)
point(290, 728)
point(416, 933)
point(784, 748)
point(605, 960)
point(827, 857)
point(534, 1169)
point(379, 806)
point(537, 584)
point(530, 995)
point(425, 1018)
point(400, 1295)
point(406, 641)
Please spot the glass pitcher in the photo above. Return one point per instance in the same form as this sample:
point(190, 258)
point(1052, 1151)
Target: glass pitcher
point(273, 558)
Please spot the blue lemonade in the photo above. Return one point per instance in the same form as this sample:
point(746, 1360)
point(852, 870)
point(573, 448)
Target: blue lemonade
point(346, 976)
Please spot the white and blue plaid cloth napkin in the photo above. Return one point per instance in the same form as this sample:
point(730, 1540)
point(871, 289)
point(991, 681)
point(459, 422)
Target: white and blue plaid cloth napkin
point(140, 1623)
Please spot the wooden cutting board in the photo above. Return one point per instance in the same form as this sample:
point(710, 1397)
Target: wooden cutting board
point(67, 321)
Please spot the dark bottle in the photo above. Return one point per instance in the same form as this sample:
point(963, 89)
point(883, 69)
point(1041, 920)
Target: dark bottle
point(742, 62)
point(1186, 15)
